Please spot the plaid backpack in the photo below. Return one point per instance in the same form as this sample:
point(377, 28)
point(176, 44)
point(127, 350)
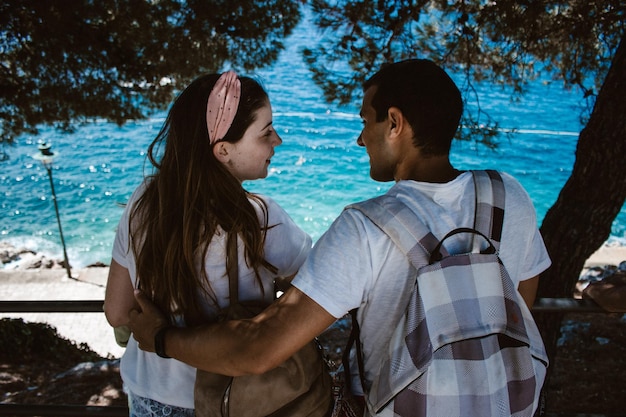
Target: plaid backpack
point(467, 344)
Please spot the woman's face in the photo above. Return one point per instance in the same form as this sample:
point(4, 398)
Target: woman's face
point(249, 158)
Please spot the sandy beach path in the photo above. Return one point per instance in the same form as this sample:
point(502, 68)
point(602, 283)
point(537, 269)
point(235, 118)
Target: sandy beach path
point(53, 284)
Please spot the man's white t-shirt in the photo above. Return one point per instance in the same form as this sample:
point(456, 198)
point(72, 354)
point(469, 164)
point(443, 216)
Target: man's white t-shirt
point(355, 265)
point(170, 381)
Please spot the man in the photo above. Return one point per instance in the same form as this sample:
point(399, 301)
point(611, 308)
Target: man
point(410, 111)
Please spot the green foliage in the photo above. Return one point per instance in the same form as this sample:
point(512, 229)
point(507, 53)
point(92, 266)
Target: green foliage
point(507, 42)
point(22, 342)
point(64, 63)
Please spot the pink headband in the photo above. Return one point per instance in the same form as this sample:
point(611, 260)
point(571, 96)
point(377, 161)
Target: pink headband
point(222, 106)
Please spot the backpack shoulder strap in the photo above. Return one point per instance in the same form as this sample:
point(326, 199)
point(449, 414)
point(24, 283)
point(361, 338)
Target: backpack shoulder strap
point(402, 226)
point(489, 215)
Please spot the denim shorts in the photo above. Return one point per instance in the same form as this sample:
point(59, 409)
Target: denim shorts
point(146, 407)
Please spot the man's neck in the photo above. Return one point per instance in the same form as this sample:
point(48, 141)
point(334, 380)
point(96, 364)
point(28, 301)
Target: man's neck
point(435, 169)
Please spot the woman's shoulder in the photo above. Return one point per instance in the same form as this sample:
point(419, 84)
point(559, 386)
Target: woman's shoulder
point(269, 210)
point(264, 202)
point(139, 191)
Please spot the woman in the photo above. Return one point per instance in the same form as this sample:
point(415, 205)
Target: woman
point(172, 238)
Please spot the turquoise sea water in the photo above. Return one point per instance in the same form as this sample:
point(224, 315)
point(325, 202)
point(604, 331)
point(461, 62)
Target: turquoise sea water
point(316, 172)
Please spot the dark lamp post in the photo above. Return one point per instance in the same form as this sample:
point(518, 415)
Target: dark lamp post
point(46, 156)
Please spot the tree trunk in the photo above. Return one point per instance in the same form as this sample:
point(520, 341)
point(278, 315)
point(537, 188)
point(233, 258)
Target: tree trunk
point(580, 220)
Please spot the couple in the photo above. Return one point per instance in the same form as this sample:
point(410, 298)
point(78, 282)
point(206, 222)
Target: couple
point(174, 230)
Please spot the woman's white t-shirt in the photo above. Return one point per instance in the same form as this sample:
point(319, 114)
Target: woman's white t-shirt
point(170, 381)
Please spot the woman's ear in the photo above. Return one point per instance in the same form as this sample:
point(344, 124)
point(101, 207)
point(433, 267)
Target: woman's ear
point(220, 151)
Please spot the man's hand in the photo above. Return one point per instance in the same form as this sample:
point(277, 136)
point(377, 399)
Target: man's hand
point(145, 322)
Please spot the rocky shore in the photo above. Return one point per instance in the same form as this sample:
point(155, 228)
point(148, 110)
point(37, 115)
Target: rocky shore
point(19, 259)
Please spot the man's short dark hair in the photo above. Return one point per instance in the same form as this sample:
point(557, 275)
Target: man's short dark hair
point(427, 97)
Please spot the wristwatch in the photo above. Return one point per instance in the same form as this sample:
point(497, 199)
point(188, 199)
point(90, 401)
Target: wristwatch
point(159, 342)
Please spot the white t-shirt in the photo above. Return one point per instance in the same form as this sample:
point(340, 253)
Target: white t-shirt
point(355, 265)
point(170, 381)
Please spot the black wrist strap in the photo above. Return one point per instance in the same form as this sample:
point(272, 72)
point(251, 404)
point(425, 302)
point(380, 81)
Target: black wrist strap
point(159, 342)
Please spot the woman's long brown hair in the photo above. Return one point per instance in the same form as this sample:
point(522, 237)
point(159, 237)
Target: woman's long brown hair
point(187, 197)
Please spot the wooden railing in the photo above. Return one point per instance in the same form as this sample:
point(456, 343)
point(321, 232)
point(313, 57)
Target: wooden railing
point(556, 305)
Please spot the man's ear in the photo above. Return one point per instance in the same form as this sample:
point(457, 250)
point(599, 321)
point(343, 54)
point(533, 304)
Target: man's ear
point(220, 151)
point(396, 120)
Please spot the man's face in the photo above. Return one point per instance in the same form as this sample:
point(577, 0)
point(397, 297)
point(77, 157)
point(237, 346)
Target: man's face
point(373, 137)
